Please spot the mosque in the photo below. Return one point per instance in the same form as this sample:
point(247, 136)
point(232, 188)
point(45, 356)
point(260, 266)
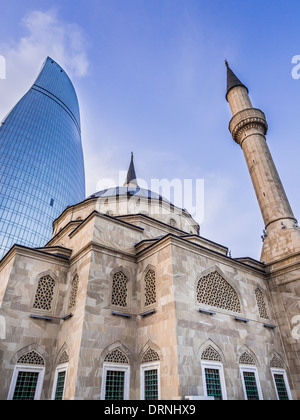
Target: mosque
point(127, 301)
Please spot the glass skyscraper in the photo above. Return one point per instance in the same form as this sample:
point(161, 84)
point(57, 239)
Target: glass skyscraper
point(41, 160)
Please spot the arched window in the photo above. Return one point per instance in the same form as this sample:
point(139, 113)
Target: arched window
point(150, 375)
point(280, 379)
point(116, 376)
point(44, 293)
point(27, 379)
point(119, 293)
point(260, 300)
point(213, 290)
point(150, 288)
point(73, 292)
point(250, 379)
point(60, 376)
point(212, 374)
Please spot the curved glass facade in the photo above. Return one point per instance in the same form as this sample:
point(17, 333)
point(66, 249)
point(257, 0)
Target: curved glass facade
point(41, 160)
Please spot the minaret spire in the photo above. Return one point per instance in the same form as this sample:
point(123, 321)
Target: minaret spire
point(232, 79)
point(131, 180)
point(248, 127)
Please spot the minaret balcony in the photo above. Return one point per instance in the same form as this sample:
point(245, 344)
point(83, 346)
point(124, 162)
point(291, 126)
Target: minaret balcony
point(247, 118)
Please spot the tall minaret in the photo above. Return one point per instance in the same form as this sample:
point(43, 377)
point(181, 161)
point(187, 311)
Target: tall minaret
point(248, 127)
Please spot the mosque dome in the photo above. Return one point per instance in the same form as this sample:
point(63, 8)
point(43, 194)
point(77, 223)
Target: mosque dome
point(129, 191)
point(129, 203)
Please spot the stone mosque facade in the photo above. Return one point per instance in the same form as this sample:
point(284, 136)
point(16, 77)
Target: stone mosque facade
point(128, 301)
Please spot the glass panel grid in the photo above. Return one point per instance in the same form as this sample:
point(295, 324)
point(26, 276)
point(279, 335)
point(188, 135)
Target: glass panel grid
point(114, 389)
point(213, 383)
point(41, 160)
point(60, 385)
point(281, 388)
point(26, 386)
point(151, 384)
point(251, 386)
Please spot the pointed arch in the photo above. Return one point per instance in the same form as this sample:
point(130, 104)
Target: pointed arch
point(116, 353)
point(150, 355)
point(45, 296)
point(276, 361)
point(63, 355)
point(116, 356)
point(31, 358)
point(210, 351)
point(116, 360)
point(211, 354)
point(212, 360)
point(149, 359)
point(246, 356)
point(148, 351)
point(149, 287)
point(31, 354)
point(73, 292)
point(260, 298)
point(214, 288)
point(28, 375)
point(120, 289)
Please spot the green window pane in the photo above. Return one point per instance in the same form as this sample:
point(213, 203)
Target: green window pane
point(151, 385)
point(213, 383)
point(60, 385)
point(251, 386)
point(26, 386)
point(281, 388)
point(114, 389)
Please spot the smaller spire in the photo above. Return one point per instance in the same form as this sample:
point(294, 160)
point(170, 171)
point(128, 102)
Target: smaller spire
point(232, 80)
point(131, 180)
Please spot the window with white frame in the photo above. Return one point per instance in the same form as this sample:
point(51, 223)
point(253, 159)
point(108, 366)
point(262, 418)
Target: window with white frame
point(59, 382)
point(27, 379)
point(213, 379)
point(281, 384)
point(26, 383)
point(115, 382)
point(251, 384)
point(150, 381)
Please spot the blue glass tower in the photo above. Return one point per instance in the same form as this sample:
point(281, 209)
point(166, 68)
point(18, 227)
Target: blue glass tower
point(41, 160)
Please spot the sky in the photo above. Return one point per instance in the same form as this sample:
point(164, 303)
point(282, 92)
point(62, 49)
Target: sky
point(150, 79)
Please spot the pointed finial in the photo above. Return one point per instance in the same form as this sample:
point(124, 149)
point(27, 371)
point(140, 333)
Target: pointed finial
point(131, 176)
point(232, 80)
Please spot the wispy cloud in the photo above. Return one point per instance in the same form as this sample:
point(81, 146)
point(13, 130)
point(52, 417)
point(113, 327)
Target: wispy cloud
point(45, 34)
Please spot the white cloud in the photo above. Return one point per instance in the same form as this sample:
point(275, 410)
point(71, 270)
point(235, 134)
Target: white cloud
point(63, 41)
point(46, 34)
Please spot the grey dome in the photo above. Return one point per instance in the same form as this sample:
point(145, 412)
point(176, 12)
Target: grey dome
point(128, 191)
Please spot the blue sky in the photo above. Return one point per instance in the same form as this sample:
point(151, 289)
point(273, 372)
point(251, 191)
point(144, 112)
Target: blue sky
point(150, 78)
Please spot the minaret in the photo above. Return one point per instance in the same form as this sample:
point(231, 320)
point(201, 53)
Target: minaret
point(248, 127)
